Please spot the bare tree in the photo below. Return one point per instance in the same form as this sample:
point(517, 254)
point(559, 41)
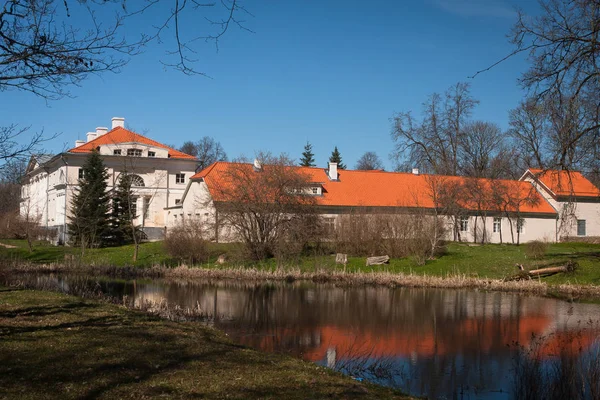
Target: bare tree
point(48, 46)
point(261, 203)
point(483, 152)
point(433, 143)
point(529, 131)
point(369, 161)
point(563, 77)
point(207, 150)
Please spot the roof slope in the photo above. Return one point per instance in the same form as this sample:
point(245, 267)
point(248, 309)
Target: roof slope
point(122, 135)
point(390, 189)
point(565, 183)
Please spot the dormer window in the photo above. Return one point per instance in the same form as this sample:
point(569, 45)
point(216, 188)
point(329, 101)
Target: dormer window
point(151, 154)
point(315, 190)
point(134, 152)
point(117, 152)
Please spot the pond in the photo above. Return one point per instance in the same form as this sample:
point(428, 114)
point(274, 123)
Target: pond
point(459, 344)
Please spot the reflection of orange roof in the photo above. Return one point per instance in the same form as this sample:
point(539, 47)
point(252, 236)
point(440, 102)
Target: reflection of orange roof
point(481, 333)
point(387, 189)
point(569, 343)
point(122, 135)
point(566, 183)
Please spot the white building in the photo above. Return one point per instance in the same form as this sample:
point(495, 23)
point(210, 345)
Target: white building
point(534, 207)
point(161, 174)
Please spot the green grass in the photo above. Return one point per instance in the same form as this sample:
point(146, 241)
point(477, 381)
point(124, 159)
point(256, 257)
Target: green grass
point(483, 261)
point(63, 347)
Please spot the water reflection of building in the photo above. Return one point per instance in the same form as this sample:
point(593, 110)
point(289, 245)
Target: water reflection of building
point(309, 320)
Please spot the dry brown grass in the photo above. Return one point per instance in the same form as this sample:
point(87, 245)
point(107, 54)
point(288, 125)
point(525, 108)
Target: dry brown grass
point(450, 281)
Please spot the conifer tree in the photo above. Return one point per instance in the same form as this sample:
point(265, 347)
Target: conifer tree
point(308, 157)
point(337, 158)
point(88, 226)
point(122, 213)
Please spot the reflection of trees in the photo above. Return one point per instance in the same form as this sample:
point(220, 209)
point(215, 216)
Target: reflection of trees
point(443, 341)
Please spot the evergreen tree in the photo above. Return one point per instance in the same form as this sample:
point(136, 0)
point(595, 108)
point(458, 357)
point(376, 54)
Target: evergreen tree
point(122, 213)
point(337, 158)
point(88, 226)
point(308, 157)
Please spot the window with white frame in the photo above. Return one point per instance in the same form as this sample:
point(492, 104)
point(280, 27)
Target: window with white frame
point(520, 225)
point(117, 152)
point(463, 224)
point(581, 227)
point(497, 226)
point(179, 178)
point(134, 152)
point(151, 154)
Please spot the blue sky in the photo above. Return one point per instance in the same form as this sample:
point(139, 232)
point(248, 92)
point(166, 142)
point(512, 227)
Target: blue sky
point(330, 72)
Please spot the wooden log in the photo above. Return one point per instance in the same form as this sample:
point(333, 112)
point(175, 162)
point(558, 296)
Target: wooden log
point(547, 271)
point(378, 260)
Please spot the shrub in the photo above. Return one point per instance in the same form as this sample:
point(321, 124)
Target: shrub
point(186, 242)
point(395, 235)
point(536, 249)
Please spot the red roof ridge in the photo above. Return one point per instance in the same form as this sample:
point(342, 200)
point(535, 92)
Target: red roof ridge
point(106, 139)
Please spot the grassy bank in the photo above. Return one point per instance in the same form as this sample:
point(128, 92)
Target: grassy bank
point(467, 260)
point(58, 346)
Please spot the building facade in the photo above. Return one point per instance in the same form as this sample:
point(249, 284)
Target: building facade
point(160, 175)
point(492, 211)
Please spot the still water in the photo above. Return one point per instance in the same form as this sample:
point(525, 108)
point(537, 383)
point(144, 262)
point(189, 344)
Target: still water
point(454, 344)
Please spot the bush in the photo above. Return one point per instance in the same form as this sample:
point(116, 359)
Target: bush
point(395, 235)
point(536, 249)
point(186, 242)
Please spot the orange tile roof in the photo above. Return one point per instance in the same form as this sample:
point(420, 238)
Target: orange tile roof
point(122, 135)
point(565, 183)
point(388, 189)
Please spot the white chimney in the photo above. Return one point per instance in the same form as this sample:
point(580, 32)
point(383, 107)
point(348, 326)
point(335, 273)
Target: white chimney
point(101, 130)
point(416, 171)
point(91, 136)
point(118, 121)
point(79, 143)
point(332, 171)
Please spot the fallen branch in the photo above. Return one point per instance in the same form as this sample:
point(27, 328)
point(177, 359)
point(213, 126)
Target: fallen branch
point(570, 266)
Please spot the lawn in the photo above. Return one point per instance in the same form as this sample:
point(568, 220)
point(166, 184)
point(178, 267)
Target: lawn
point(483, 261)
point(63, 347)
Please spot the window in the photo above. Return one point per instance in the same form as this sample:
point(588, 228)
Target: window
point(146, 207)
point(329, 226)
point(177, 201)
point(179, 178)
point(80, 173)
point(134, 152)
point(463, 224)
point(581, 227)
point(134, 208)
point(136, 180)
point(151, 154)
point(497, 225)
point(117, 152)
point(315, 190)
point(520, 225)
point(175, 215)
point(198, 216)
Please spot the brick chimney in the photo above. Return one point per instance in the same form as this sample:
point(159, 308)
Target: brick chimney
point(118, 121)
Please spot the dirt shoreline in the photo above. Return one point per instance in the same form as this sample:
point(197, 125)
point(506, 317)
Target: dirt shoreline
point(340, 278)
